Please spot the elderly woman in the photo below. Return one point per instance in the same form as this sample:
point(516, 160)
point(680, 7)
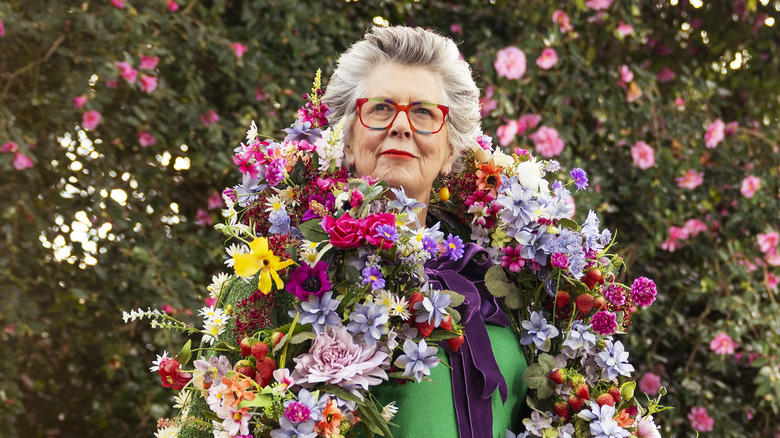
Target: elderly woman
point(411, 109)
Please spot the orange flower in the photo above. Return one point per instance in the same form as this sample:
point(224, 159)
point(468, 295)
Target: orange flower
point(488, 178)
point(624, 419)
point(236, 390)
point(329, 426)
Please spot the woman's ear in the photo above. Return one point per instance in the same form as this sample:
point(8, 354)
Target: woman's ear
point(349, 156)
point(446, 167)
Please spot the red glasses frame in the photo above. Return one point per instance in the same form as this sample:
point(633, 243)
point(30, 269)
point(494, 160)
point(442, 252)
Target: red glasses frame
point(398, 109)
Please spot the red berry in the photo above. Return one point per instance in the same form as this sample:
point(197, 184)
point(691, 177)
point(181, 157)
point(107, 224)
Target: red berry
point(245, 367)
point(259, 350)
point(605, 399)
point(261, 381)
point(416, 297)
point(562, 298)
point(558, 376)
point(582, 391)
point(563, 410)
point(599, 302)
point(446, 323)
point(615, 393)
point(576, 402)
point(276, 337)
point(246, 346)
point(584, 303)
point(456, 342)
point(592, 277)
point(266, 367)
point(425, 328)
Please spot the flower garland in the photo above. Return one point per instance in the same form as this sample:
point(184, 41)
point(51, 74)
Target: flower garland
point(337, 300)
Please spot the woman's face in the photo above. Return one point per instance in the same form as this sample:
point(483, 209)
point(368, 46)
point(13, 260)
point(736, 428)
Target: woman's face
point(399, 155)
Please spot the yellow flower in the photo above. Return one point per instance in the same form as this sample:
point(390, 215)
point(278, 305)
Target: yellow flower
point(261, 259)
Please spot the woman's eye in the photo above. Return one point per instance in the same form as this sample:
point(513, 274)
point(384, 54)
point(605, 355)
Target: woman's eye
point(420, 111)
point(382, 107)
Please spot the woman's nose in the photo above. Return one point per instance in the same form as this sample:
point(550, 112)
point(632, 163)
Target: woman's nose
point(401, 126)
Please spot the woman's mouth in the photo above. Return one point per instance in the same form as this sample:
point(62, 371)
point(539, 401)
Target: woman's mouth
point(395, 153)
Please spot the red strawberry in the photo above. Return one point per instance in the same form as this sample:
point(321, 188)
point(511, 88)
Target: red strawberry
point(584, 303)
point(246, 346)
point(259, 350)
point(563, 410)
point(266, 367)
point(276, 337)
point(446, 323)
point(558, 376)
point(615, 393)
point(456, 342)
point(261, 381)
point(562, 298)
point(582, 391)
point(599, 302)
point(425, 328)
point(416, 297)
point(245, 367)
point(605, 399)
point(592, 277)
point(576, 402)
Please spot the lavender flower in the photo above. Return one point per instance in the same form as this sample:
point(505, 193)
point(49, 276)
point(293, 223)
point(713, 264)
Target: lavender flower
point(386, 232)
point(590, 230)
point(520, 207)
point(434, 307)
point(418, 359)
point(538, 331)
point(373, 276)
point(319, 312)
point(552, 166)
point(643, 291)
point(614, 361)
point(214, 370)
point(580, 178)
point(406, 205)
point(535, 245)
point(370, 320)
point(301, 131)
point(453, 247)
point(580, 336)
point(601, 423)
point(537, 423)
point(280, 222)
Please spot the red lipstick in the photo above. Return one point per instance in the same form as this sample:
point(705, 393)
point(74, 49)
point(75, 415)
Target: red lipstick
point(395, 153)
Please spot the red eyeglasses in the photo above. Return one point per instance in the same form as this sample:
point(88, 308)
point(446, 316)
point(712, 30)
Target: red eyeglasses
point(379, 114)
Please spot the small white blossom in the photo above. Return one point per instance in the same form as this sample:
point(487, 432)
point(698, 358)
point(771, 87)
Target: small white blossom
point(217, 281)
point(233, 249)
point(156, 364)
point(251, 133)
point(389, 411)
point(168, 432)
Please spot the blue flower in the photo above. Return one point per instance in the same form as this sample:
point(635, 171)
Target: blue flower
point(370, 320)
point(318, 312)
point(580, 336)
point(590, 230)
point(434, 307)
point(552, 166)
point(373, 276)
point(301, 131)
point(280, 222)
point(536, 246)
point(453, 247)
point(614, 361)
point(538, 331)
point(557, 185)
point(386, 232)
point(406, 205)
point(580, 178)
point(429, 244)
point(601, 423)
point(418, 359)
point(520, 207)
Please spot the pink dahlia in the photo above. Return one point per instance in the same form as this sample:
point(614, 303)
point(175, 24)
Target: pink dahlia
point(604, 322)
point(510, 63)
point(615, 295)
point(643, 291)
point(700, 420)
point(723, 344)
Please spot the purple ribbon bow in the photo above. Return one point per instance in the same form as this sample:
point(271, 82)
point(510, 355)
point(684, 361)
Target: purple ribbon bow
point(475, 373)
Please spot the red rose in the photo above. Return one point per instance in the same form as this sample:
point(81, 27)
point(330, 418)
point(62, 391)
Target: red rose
point(345, 232)
point(370, 223)
point(171, 375)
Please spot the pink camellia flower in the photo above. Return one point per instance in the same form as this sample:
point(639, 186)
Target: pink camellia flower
point(173, 6)
point(650, 383)
point(510, 63)
point(90, 120)
point(79, 101)
point(694, 227)
point(148, 83)
point(9, 147)
point(203, 218)
point(633, 93)
point(239, 48)
point(773, 257)
point(679, 101)
point(624, 29)
point(127, 71)
point(547, 142)
point(731, 128)
point(209, 117)
point(646, 428)
point(530, 121)
point(214, 201)
point(506, 133)
point(22, 161)
point(771, 281)
point(119, 3)
point(547, 59)
point(690, 180)
point(750, 185)
point(148, 62)
point(665, 75)
point(260, 94)
point(723, 344)
point(700, 420)
point(456, 29)
point(598, 5)
point(146, 139)
point(2, 29)
point(626, 75)
point(486, 104)
point(715, 133)
point(561, 19)
point(767, 242)
point(643, 155)
point(675, 234)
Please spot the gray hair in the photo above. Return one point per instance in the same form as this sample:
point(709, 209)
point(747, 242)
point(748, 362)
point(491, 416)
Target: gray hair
point(415, 47)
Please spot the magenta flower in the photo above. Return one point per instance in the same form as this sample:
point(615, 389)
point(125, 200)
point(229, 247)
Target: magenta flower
point(665, 75)
point(559, 260)
point(506, 133)
point(723, 344)
point(127, 71)
point(119, 3)
point(598, 5)
point(547, 142)
point(749, 186)
point(214, 201)
point(643, 155)
point(306, 280)
point(715, 133)
point(767, 242)
point(239, 49)
point(173, 6)
point(700, 420)
point(690, 180)
point(148, 62)
point(624, 29)
point(650, 383)
point(203, 218)
point(547, 59)
point(148, 83)
point(90, 120)
point(146, 139)
point(260, 94)
point(643, 291)
point(22, 161)
point(562, 20)
point(512, 259)
point(771, 281)
point(614, 294)
point(694, 227)
point(604, 322)
point(79, 101)
point(510, 63)
point(2, 29)
point(9, 147)
point(209, 117)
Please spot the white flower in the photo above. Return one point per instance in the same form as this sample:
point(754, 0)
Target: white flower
point(182, 400)
point(233, 249)
point(389, 411)
point(330, 148)
point(168, 432)
point(286, 195)
point(480, 235)
point(212, 330)
point(400, 307)
point(530, 174)
point(274, 203)
point(217, 281)
point(156, 363)
point(251, 133)
point(501, 159)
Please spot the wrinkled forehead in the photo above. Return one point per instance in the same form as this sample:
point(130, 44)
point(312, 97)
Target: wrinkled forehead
point(403, 84)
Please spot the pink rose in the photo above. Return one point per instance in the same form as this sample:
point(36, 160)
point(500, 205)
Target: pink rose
point(79, 101)
point(506, 133)
point(9, 147)
point(690, 180)
point(239, 48)
point(715, 133)
point(650, 383)
point(624, 29)
point(547, 142)
point(665, 75)
point(173, 6)
point(146, 139)
point(167, 308)
point(148, 83)
point(148, 62)
point(749, 186)
point(723, 344)
point(510, 63)
point(700, 420)
point(643, 155)
point(561, 19)
point(372, 222)
point(547, 59)
point(771, 281)
point(767, 242)
point(22, 161)
point(90, 120)
point(598, 5)
point(119, 3)
point(126, 71)
point(345, 232)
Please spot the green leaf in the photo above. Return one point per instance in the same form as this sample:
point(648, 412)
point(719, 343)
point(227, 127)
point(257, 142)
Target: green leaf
point(457, 299)
point(340, 393)
point(496, 281)
point(185, 354)
point(302, 337)
point(312, 230)
point(260, 401)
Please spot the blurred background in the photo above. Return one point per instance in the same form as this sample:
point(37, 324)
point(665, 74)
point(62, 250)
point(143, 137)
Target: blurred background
point(118, 119)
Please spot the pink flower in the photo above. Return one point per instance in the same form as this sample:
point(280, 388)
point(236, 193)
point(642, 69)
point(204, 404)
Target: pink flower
point(456, 29)
point(767, 242)
point(506, 133)
point(210, 301)
point(731, 128)
point(345, 232)
point(723, 344)
point(679, 101)
point(547, 59)
point(773, 258)
point(715, 133)
point(214, 201)
point(529, 121)
point(665, 75)
point(209, 117)
point(22, 161)
point(547, 142)
point(750, 185)
point(146, 139)
point(111, 84)
point(771, 281)
point(127, 71)
point(643, 155)
point(700, 420)
point(260, 94)
point(633, 93)
point(510, 63)
point(690, 180)
point(148, 83)
point(598, 5)
point(626, 75)
point(694, 227)
point(512, 258)
point(148, 62)
point(650, 383)
point(119, 3)
point(372, 222)
point(168, 309)
point(90, 120)
point(239, 48)
point(9, 147)
point(486, 104)
point(79, 101)
point(561, 19)
point(2, 29)
point(173, 6)
point(624, 29)
point(203, 218)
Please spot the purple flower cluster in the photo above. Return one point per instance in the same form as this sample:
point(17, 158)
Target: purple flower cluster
point(453, 247)
point(643, 291)
point(614, 293)
point(604, 322)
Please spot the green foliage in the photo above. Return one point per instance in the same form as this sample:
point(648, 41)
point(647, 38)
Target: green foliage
point(76, 251)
